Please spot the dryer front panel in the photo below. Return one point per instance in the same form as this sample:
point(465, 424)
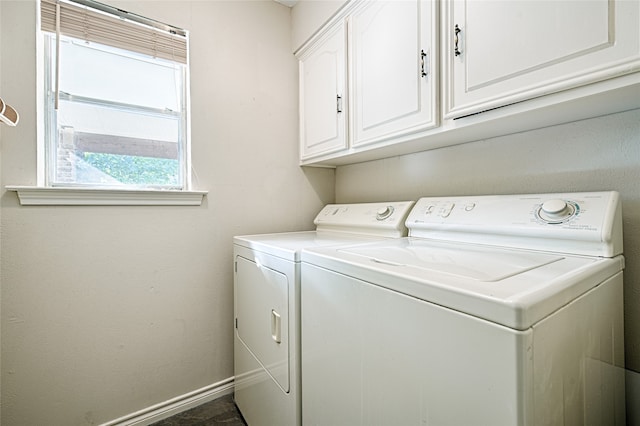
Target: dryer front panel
point(262, 317)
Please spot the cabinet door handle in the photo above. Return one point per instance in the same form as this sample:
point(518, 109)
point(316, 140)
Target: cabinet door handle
point(423, 55)
point(456, 37)
point(338, 103)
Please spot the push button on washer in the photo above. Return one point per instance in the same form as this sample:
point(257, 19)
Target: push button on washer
point(446, 209)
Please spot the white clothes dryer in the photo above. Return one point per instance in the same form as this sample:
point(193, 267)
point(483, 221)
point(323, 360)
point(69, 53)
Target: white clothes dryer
point(267, 304)
point(496, 310)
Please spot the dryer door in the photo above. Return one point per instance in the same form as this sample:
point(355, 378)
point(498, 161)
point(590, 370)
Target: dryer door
point(263, 318)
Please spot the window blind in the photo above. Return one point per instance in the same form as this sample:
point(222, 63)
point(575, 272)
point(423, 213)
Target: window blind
point(99, 23)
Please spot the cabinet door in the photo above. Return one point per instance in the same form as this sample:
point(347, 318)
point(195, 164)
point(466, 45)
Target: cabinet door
point(500, 52)
point(393, 69)
point(322, 95)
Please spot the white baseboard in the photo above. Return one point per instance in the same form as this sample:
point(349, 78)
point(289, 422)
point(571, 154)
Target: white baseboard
point(175, 405)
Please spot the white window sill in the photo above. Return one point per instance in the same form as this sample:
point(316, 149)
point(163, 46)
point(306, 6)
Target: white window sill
point(56, 196)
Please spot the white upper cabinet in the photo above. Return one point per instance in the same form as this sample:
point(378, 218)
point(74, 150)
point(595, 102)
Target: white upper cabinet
point(498, 53)
point(389, 77)
point(392, 52)
point(390, 88)
point(322, 76)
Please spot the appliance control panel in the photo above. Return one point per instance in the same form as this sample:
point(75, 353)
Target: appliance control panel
point(582, 223)
point(381, 219)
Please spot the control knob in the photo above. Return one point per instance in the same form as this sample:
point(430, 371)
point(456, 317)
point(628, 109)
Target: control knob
point(556, 211)
point(384, 212)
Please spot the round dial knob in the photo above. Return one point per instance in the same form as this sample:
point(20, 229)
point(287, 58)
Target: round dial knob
point(556, 211)
point(384, 212)
point(556, 207)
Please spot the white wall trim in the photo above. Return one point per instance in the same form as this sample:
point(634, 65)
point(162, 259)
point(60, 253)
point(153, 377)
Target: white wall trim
point(62, 196)
point(175, 405)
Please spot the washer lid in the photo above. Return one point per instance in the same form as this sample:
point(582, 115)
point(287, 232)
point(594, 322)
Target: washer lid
point(473, 262)
point(512, 287)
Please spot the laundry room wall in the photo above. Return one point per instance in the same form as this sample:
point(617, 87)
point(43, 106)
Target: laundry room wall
point(591, 155)
point(0, 219)
point(307, 16)
point(110, 310)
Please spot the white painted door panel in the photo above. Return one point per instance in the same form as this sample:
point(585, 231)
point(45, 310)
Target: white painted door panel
point(393, 84)
point(509, 51)
point(322, 96)
point(261, 295)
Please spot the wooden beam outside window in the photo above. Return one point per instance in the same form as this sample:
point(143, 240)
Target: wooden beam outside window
point(123, 145)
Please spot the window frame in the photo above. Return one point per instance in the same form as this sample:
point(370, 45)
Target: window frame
point(51, 136)
point(42, 194)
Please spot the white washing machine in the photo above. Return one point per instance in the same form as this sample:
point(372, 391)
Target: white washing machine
point(496, 310)
point(267, 300)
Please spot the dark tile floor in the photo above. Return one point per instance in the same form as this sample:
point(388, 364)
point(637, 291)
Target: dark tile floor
point(219, 412)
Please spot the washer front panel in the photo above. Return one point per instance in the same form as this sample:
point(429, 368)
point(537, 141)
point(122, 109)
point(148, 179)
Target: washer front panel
point(374, 356)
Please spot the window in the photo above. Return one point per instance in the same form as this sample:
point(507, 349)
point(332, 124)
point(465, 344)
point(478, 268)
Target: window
point(116, 99)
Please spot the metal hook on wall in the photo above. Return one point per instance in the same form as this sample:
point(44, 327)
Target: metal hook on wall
point(8, 115)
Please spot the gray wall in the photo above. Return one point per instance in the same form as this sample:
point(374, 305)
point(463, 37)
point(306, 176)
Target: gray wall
point(1, 129)
point(109, 310)
point(591, 155)
point(307, 16)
